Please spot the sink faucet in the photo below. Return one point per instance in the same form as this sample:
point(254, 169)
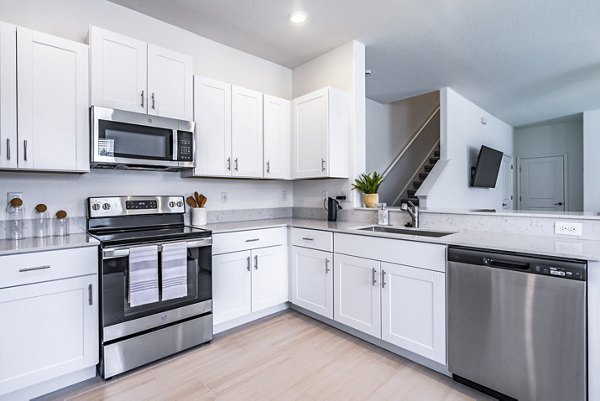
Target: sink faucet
point(413, 210)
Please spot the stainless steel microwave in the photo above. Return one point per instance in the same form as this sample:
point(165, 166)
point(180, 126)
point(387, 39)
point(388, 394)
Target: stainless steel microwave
point(126, 140)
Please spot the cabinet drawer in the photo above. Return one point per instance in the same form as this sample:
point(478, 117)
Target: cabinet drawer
point(409, 253)
point(314, 239)
point(36, 267)
point(249, 239)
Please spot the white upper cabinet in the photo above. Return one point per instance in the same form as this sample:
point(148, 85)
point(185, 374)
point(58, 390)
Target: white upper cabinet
point(8, 95)
point(277, 131)
point(212, 113)
point(247, 132)
point(118, 71)
point(321, 134)
point(129, 74)
point(52, 87)
point(169, 83)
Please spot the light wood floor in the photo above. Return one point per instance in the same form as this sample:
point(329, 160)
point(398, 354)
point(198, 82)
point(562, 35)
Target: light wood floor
point(286, 357)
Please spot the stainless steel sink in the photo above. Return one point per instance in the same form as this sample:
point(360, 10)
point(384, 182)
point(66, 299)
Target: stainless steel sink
point(405, 231)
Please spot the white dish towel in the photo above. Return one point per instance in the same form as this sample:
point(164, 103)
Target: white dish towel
point(143, 275)
point(174, 270)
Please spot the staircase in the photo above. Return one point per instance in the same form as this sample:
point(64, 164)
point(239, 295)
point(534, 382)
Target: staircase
point(410, 194)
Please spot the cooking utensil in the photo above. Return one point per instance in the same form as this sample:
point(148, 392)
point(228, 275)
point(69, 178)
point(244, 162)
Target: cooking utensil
point(191, 201)
point(203, 200)
point(197, 198)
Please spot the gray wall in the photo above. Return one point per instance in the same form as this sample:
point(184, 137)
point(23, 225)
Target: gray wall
point(556, 138)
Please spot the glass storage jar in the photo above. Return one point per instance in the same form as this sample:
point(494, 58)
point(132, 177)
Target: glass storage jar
point(40, 224)
point(61, 224)
point(15, 227)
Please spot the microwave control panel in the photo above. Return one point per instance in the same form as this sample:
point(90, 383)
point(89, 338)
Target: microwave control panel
point(185, 146)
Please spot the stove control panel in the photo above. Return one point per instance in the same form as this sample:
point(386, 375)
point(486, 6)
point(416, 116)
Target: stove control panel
point(114, 206)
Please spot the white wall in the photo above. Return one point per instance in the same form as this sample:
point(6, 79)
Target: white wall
point(342, 68)
point(70, 19)
point(559, 138)
point(591, 160)
point(462, 135)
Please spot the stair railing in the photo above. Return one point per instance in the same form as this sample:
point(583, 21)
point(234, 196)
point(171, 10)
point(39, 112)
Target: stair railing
point(414, 176)
point(412, 140)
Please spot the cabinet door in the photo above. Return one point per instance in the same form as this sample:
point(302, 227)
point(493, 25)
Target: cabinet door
point(8, 95)
point(414, 310)
point(277, 126)
point(49, 329)
point(269, 277)
point(231, 286)
point(118, 71)
point(212, 113)
point(53, 116)
point(310, 130)
point(169, 83)
point(247, 132)
point(312, 280)
point(357, 293)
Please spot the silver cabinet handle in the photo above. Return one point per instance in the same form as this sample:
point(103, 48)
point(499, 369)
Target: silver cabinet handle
point(268, 167)
point(236, 164)
point(7, 148)
point(323, 165)
point(248, 265)
point(229, 164)
point(308, 239)
point(90, 295)
point(327, 266)
point(256, 262)
point(383, 279)
point(253, 240)
point(25, 149)
point(29, 269)
point(153, 101)
point(374, 276)
point(142, 99)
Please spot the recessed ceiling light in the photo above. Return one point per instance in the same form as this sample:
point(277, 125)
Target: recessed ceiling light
point(298, 17)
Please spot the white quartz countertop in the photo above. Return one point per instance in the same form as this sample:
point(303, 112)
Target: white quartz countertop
point(531, 244)
point(27, 245)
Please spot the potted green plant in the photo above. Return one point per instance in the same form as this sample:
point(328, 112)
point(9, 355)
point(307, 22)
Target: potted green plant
point(369, 184)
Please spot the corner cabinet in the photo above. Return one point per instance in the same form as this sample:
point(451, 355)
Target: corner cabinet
point(321, 133)
point(129, 74)
point(49, 309)
point(53, 116)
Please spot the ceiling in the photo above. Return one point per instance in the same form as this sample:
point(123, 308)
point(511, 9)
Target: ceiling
point(521, 60)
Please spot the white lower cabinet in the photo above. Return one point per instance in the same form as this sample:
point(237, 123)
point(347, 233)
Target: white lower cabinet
point(269, 277)
point(414, 310)
point(312, 280)
point(232, 295)
point(357, 289)
point(49, 328)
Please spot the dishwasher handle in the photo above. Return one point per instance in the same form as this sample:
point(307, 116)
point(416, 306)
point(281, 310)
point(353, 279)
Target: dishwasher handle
point(503, 263)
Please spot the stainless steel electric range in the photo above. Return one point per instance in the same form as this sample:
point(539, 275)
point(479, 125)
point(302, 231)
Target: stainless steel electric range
point(155, 278)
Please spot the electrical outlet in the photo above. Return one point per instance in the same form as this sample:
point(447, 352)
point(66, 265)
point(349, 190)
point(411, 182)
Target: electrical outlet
point(12, 195)
point(324, 195)
point(224, 197)
point(568, 228)
point(284, 195)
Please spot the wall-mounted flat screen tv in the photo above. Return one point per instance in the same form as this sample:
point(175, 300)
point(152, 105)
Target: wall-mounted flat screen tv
point(485, 173)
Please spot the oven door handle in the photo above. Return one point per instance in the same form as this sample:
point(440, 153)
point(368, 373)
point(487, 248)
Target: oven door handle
point(114, 253)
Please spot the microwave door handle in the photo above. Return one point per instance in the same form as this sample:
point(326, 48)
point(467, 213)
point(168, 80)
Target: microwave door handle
point(175, 145)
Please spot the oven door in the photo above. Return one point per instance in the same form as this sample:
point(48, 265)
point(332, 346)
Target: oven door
point(121, 138)
point(120, 319)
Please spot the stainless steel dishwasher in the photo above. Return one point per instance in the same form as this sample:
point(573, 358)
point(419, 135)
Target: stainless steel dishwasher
point(517, 324)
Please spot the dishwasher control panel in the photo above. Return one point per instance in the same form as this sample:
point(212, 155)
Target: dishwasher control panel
point(574, 273)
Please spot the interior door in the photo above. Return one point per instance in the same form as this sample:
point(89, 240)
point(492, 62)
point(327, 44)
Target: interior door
point(119, 67)
point(269, 277)
point(357, 293)
point(231, 286)
point(53, 104)
point(169, 83)
point(247, 132)
point(542, 183)
point(212, 113)
point(507, 182)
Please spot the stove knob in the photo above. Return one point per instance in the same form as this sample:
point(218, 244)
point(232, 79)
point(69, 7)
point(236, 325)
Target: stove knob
point(171, 204)
point(106, 206)
point(96, 206)
point(179, 203)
